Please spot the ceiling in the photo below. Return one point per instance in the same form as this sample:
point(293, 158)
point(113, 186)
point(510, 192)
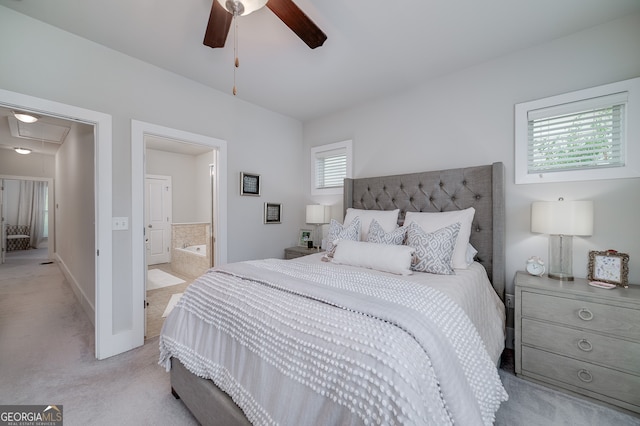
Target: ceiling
point(47, 135)
point(374, 48)
point(44, 136)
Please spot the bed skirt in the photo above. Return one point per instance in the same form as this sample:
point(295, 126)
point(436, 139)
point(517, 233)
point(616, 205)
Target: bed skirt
point(208, 404)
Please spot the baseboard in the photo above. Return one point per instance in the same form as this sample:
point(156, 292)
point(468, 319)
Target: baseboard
point(87, 305)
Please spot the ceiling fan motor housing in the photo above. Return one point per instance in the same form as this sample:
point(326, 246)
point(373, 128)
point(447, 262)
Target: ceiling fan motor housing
point(224, 11)
point(242, 7)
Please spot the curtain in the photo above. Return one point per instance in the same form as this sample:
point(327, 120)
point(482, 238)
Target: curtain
point(31, 209)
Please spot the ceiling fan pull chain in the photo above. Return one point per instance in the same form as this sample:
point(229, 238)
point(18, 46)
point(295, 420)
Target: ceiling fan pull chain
point(235, 51)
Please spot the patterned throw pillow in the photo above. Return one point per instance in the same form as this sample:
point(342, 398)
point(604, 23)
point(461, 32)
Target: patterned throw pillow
point(378, 235)
point(433, 250)
point(339, 232)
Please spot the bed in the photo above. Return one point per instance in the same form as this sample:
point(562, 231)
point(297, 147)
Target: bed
point(306, 341)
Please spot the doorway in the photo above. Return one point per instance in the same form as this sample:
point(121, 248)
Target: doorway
point(37, 224)
point(178, 222)
point(156, 149)
point(108, 341)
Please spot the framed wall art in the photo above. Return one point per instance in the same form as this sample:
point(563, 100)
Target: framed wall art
point(249, 184)
point(272, 212)
point(610, 267)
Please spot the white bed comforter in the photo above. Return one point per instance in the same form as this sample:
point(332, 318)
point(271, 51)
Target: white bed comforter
point(295, 343)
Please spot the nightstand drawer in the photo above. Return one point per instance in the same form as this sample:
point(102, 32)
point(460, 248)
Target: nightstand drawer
point(297, 251)
point(581, 344)
point(582, 375)
point(609, 319)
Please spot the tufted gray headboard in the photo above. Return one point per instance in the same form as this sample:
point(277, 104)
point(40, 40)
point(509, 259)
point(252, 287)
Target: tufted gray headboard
point(480, 187)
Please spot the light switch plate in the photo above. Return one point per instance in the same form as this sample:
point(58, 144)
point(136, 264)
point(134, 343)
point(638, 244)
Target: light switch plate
point(120, 223)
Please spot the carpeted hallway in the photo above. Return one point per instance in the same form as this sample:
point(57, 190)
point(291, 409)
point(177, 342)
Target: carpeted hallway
point(47, 357)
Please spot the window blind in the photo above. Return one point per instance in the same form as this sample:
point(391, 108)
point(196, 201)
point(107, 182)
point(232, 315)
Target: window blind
point(331, 168)
point(580, 135)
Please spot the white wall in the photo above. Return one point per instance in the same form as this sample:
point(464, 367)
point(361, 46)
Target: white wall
point(182, 169)
point(33, 165)
point(75, 213)
point(45, 62)
point(467, 119)
point(203, 187)
point(191, 183)
point(11, 200)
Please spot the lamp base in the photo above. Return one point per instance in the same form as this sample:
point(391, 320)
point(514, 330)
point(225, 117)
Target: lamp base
point(561, 257)
point(560, 276)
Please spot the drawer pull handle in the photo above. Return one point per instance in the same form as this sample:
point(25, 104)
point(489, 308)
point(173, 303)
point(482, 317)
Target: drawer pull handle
point(585, 376)
point(585, 345)
point(585, 314)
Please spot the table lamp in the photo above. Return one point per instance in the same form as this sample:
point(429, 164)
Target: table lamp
point(317, 215)
point(561, 220)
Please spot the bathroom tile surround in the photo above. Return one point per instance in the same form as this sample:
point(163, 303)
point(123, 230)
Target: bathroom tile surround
point(190, 234)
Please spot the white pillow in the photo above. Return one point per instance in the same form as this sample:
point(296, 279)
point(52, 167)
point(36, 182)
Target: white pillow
point(381, 257)
point(388, 219)
point(430, 222)
point(470, 254)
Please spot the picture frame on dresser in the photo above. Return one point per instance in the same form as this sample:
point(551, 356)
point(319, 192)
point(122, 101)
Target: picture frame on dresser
point(610, 267)
point(304, 237)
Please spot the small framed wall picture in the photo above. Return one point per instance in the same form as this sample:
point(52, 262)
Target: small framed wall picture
point(304, 237)
point(609, 267)
point(249, 184)
point(272, 212)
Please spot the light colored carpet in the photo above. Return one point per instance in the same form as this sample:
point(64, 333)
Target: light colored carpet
point(172, 303)
point(47, 357)
point(531, 404)
point(157, 278)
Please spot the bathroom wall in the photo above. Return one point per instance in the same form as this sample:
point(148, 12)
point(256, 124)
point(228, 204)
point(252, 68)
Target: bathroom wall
point(190, 234)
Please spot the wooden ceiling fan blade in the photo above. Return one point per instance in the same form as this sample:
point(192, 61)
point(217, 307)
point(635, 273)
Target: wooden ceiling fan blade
point(218, 26)
point(299, 23)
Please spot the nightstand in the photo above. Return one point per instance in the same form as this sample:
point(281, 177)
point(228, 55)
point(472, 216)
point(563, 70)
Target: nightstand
point(298, 251)
point(576, 337)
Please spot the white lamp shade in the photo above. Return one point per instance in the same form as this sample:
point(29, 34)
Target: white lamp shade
point(246, 6)
point(562, 217)
point(318, 214)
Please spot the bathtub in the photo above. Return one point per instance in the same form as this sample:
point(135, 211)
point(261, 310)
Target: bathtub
point(198, 250)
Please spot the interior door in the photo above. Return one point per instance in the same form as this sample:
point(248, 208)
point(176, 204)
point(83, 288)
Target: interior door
point(158, 219)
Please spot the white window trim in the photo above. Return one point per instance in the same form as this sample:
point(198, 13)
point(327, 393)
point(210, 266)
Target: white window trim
point(631, 169)
point(346, 145)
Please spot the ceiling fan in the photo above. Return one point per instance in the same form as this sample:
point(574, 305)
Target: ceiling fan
point(223, 12)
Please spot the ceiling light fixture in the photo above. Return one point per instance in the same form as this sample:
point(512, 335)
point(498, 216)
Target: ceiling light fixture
point(23, 151)
point(242, 7)
point(25, 117)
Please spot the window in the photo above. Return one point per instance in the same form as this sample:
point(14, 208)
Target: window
point(330, 164)
point(579, 136)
